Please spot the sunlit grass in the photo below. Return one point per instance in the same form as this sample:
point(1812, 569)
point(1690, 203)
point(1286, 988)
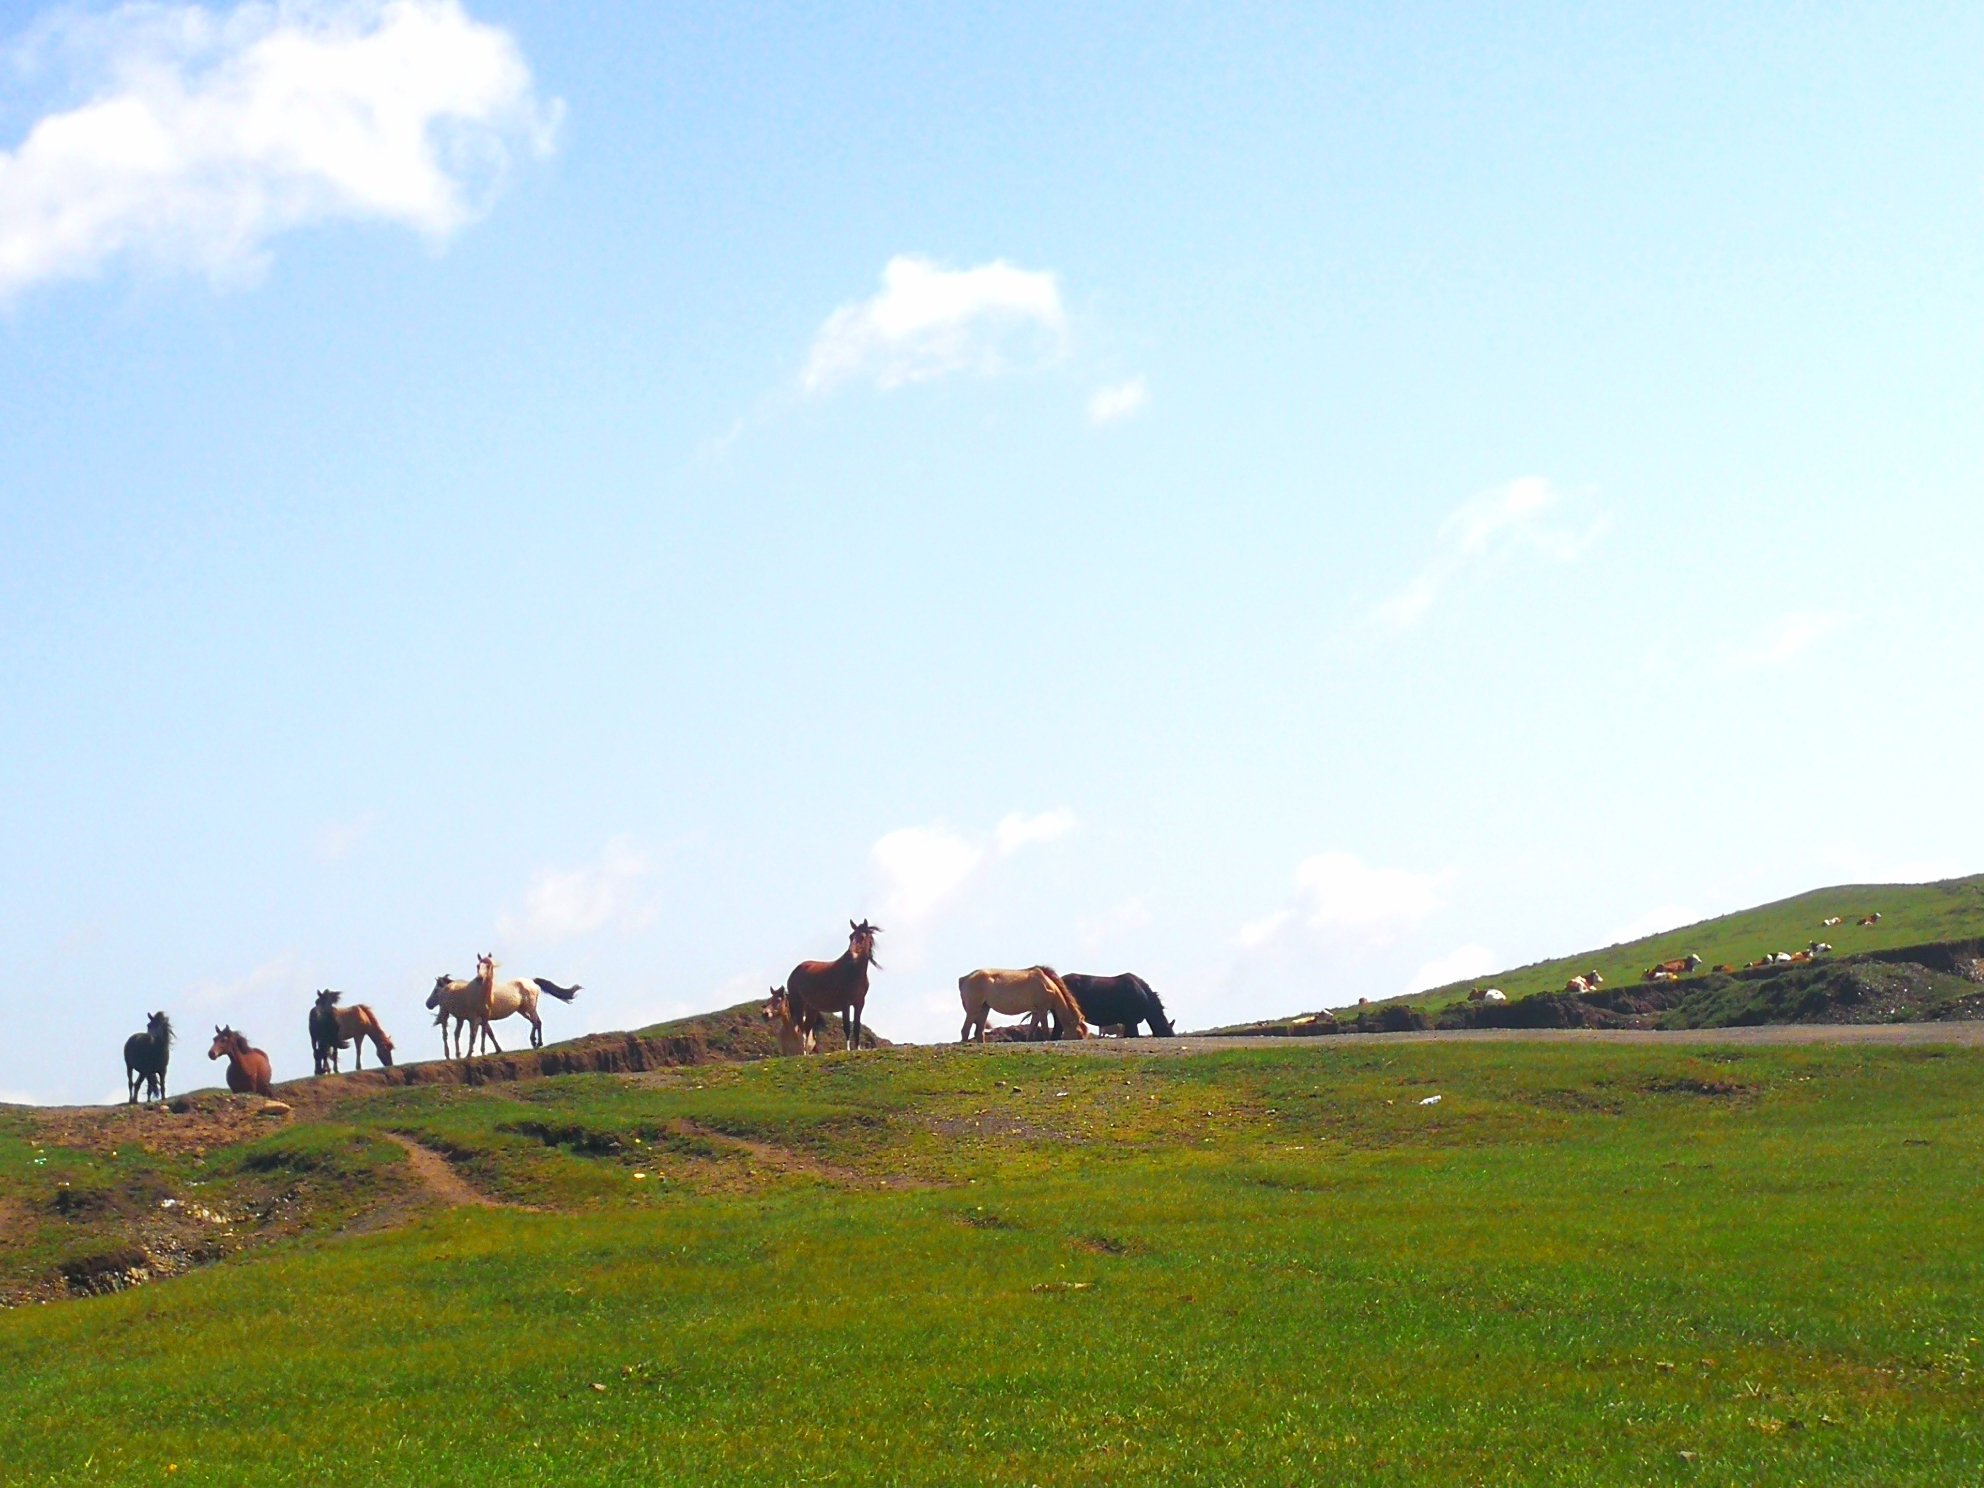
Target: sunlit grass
point(1581, 1265)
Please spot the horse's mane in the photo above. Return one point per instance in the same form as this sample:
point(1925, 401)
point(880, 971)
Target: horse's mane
point(164, 1023)
point(327, 995)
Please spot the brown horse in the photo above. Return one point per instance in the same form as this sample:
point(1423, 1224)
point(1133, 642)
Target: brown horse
point(247, 1067)
point(332, 1027)
point(816, 988)
point(794, 1031)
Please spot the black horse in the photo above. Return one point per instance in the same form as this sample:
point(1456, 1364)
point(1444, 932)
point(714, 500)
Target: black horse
point(145, 1056)
point(1126, 1000)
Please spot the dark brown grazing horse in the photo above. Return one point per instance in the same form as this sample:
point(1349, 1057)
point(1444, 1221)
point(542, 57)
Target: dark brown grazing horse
point(819, 987)
point(247, 1067)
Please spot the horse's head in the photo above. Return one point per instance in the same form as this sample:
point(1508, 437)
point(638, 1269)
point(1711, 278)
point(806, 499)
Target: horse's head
point(485, 969)
point(441, 983)
point(226, 1041)
point(327, 998)
point(159, 1027)
point(861, 941)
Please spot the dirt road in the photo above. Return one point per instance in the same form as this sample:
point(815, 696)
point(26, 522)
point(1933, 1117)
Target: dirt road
point(1966, 1033)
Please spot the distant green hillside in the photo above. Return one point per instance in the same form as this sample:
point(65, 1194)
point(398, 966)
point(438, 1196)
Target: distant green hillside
point(1911, 914)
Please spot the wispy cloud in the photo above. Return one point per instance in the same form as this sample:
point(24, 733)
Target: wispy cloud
point(928, 321)
point(920, 868)
point(1019, 830)
point(1484, 531)
point(1783, 639)
point(1457, 965)
point(206, 135)
point(341, 839)
point(561, 903)
point(1338, 893)
point(278, 973)
point(1124, 400)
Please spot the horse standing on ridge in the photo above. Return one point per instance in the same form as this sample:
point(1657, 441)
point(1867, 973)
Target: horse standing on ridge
point(483, 1000)
point(332, 1027)
point(145, 1056)
point(816, 988)
point(1037, 992)
point(247, 1067)
point(1125, 999)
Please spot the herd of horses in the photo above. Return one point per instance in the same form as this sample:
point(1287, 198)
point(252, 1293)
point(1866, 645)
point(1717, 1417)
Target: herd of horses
point(472, 1005)
point(815, 990)
point(798, 1013)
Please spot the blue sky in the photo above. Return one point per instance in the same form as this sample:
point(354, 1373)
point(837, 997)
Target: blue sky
point(1297, 503)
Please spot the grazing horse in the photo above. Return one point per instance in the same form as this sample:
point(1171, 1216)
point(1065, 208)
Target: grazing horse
point(1037, 991)
point(795, 1032)
point(332, 1027)
point(145, 1055)
point(816, 988)
point(482, 1000)
point(247, 1067)
point(1126, 1000)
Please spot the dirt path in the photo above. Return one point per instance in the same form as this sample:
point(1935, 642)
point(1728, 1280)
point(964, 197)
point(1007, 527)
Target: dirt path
point(440, 1180)
point(1968, 1032)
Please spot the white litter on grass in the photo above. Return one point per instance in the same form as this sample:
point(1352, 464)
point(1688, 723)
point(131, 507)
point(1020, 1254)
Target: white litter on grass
point(1431, 1100)
point(168, 1203)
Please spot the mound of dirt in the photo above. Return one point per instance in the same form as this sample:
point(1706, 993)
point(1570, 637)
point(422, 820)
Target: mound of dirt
point(731, 1035)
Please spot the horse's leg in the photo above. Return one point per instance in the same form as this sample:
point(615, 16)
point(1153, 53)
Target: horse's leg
point(536, 1028)
point(489, 1037)
point(857, 1025)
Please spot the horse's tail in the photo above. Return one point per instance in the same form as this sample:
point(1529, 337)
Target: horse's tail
point(1071, 1010)
point(563, 994)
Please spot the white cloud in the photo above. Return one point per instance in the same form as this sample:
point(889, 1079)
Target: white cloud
point(1653, 922)
point(928, 321)
point(1457, 965)
point(1341, 895)
point(562, 904)
point(278, 973)
point(1018, 830)
point(1347, 894)
point(1783, 639)
point(1257, 933)
point(1124, 400)
point(205, 135)
point(1482, 531)
point(22, 1098)
point(921, 867)
point(340, 839)
point(1118, 920)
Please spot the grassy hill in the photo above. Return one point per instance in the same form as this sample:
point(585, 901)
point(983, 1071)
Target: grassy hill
point(1911, 915)
point(1578, 1265)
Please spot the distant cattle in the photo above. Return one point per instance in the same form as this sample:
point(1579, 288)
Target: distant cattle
point(1872, 919)
point(1831, 920)
point(1589, 981)
point(1493, 994)
point(1725, 968)
point(1819, 948)
point(1668, 971)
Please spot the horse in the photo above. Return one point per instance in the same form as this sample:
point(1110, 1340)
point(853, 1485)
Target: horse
point(332, 1027)
point(145, 1056)
point(1126, 1000)
point(1036, 992)
point(483, 1000)
point(796, 1033)
point(247, 1067)
point(817, 988)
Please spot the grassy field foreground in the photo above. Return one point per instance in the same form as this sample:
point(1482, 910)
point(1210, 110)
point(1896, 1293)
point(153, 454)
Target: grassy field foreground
point(1583, 1264)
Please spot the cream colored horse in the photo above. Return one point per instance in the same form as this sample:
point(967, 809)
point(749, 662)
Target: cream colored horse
point(482, 1000)
point(1036, 992)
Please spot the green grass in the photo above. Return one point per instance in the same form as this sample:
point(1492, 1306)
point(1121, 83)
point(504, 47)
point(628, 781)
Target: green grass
point(1254, 1267)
